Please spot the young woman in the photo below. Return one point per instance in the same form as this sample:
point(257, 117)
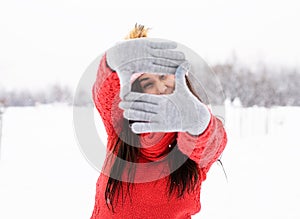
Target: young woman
point(157, 172)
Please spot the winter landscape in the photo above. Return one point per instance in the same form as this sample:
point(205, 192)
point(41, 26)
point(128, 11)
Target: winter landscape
point(47, 48)
point(43, 173)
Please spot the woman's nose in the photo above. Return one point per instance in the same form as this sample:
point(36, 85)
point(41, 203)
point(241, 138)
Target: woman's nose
point(161, 88)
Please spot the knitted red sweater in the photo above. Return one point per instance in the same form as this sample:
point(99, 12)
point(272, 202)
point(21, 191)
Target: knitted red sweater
point(149, 199)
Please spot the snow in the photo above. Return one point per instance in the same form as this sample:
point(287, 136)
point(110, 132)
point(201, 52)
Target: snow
point(43, 173)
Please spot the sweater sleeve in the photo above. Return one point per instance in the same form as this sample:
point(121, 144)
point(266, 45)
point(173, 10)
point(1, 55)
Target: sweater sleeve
point(105, 93)
point(206, 148)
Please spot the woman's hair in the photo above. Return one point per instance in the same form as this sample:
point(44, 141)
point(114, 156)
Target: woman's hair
point(137, 32)
point(183, 179)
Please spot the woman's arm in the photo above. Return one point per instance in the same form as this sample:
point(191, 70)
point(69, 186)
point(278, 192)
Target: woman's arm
point(206, 148)
point(106, 98)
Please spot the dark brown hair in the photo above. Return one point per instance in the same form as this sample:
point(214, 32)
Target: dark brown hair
point(183, 179)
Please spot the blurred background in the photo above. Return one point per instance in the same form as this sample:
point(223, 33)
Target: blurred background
point(46, 46)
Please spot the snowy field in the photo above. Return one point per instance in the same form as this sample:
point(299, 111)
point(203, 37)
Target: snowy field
point(44, 175)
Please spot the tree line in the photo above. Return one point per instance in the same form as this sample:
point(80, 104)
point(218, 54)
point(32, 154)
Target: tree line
point(263, 87)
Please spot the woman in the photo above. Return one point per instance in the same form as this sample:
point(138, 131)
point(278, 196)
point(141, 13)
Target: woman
point(153, 171)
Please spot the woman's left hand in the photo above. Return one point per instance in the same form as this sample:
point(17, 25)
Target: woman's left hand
point(180, 111)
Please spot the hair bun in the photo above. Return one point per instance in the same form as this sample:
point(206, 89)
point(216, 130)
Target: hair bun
point(137, 32)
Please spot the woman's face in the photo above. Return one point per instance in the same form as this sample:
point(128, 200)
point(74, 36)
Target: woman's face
point(157, 84)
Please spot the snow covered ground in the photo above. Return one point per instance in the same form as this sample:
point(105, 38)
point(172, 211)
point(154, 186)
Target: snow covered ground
point(43, 173)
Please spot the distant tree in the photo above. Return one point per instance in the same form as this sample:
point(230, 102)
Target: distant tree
point(51, 94)
point(265, 87)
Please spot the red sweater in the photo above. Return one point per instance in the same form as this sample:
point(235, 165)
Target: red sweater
point(149, 198)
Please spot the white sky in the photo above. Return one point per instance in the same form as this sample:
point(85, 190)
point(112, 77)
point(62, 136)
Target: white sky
point(42, 42)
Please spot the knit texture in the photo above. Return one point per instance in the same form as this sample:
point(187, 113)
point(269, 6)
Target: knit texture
point(150, 199)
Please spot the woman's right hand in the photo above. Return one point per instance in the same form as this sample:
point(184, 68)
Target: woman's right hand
point(180, 111)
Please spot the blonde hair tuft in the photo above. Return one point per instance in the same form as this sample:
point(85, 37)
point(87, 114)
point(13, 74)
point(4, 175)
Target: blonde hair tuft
point(137, 32)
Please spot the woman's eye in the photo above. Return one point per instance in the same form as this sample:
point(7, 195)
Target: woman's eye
point(148, 85)
point(162, 77)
